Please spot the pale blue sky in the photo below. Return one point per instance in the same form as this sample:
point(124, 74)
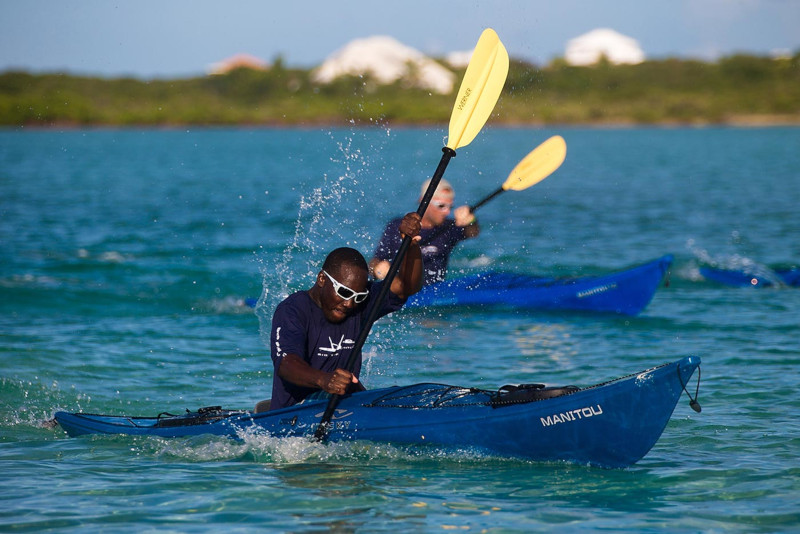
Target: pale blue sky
point(177, 38)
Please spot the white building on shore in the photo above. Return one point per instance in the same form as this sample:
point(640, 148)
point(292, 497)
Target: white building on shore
point(386, 60)
point(589, 48)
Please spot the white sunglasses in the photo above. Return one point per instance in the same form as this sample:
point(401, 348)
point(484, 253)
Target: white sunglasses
point(345, 292)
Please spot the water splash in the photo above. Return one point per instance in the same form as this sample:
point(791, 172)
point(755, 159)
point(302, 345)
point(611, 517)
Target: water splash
point(32, 404)
point(759, 272)
point(261, 447)
point(333, 214)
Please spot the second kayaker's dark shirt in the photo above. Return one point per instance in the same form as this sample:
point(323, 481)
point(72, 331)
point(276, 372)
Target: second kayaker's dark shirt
point(299, 327)
point(436, 245)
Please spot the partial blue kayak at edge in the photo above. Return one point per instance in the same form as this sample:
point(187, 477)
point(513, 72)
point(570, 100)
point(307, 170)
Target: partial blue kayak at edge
point(748, 278)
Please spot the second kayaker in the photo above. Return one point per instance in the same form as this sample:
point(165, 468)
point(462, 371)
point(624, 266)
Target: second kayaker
point(439, 235)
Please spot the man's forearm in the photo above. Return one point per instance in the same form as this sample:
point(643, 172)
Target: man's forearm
point(293, 369)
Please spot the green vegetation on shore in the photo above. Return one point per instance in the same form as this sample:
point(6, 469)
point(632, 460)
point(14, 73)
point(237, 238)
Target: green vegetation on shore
point(738, 89)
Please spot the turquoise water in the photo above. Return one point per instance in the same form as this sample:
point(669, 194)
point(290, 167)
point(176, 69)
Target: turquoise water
point(125, 257)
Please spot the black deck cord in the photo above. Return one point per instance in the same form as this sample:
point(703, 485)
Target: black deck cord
point(692, 401)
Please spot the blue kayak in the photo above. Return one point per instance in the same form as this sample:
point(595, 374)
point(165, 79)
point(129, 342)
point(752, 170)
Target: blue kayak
point(612, 424)
point(764, 277)
point(626, 292)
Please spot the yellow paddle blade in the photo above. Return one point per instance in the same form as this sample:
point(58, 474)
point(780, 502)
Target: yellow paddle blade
point(540, 163)
point(480, 89)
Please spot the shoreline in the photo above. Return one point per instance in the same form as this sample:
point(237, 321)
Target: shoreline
point(737, 121)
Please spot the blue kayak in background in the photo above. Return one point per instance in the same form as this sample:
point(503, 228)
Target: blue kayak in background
point(612, 424)
point(763, 277)
point(625, 292)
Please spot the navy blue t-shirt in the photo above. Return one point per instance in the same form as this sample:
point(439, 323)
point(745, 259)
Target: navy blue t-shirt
point(435, 251)
point(299, 327)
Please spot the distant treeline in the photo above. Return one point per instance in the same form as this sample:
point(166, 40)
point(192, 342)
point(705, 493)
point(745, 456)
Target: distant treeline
point(734, 89)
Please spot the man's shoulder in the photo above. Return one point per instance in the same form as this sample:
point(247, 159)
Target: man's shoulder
point(298, 297)
point(389, 239)
point(394, 223)
point(298, 301)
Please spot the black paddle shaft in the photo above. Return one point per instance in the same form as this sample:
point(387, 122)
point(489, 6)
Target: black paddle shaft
point(486, 199)
point(375, 304)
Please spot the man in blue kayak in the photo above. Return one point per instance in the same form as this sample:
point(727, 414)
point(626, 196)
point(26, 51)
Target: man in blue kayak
point(314, 331)
point(439, 235)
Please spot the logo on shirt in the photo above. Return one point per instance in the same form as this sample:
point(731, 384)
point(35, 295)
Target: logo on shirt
point(429, 250)
point(336, 347)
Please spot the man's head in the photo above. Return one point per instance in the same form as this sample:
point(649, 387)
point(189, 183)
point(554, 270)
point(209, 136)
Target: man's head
point(344, 272)
point(441, 203)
